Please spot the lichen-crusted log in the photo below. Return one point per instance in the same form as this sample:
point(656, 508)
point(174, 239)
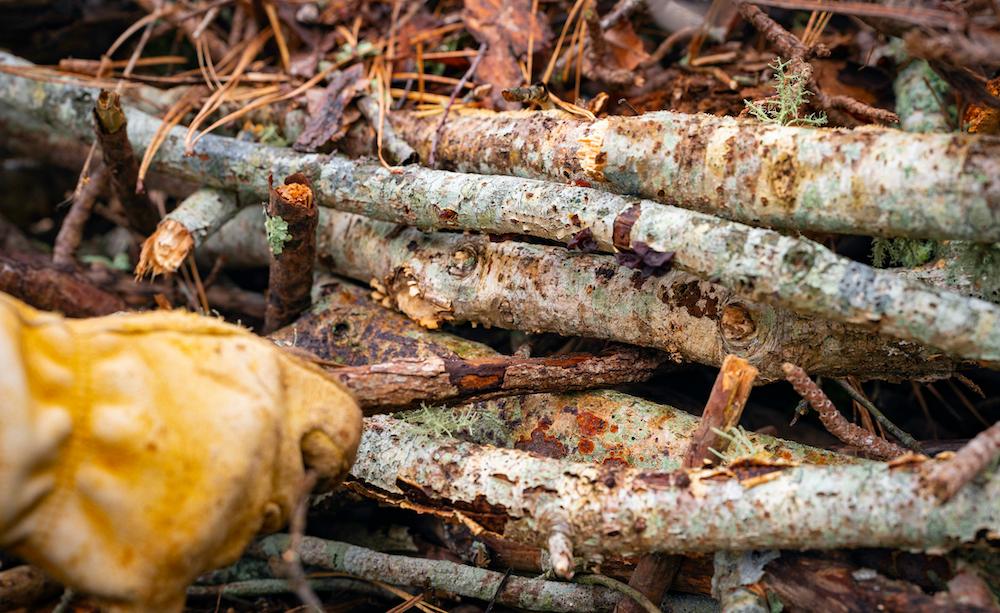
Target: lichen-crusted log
point(292, 241)
point(760, 264)
point(448, 277)
point(111, 126)
point(850, 181)
point(626, 511)
point(196, 218)
point(467, 581)
point(347, 327)
point(405, 382)
point(37, 282)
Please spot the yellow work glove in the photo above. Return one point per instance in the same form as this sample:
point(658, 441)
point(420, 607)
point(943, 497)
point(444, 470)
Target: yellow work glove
point(139, 450)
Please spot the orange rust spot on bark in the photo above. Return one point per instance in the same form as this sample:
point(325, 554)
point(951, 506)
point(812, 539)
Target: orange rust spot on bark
point(542, 443)
point(585, 446)
point(296, 194)
point(477, 382)
point(616, 461)
point(590, 424)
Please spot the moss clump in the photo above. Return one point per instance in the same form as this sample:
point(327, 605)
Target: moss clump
point(466, 423)
point(783, 108)
point(908, 252)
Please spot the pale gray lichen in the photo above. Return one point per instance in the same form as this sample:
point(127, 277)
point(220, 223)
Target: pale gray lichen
point(277, 233)
point(783, 108)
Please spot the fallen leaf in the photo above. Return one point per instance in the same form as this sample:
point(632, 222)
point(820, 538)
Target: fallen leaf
point(326, 123)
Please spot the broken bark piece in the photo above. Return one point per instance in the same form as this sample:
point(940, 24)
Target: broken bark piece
point(442, 277)
point(722, 411)
point(34, 280)
point(292, 217)
point(408, 382)
point(760, 264)
point(946, 478)
point(71, 231)
point(836, 423)
point(634, 511)
point(121, 164)
point(195, 219)
point(789, 178)
point(400, 151)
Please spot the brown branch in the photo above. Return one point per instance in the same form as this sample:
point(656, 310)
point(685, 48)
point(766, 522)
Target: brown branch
point(36, 281)
point(292, 263)
point(71, 231)
point(22, 587)
point(121, 163)
point(402, 383)
point(944, 479)
point(834, 421)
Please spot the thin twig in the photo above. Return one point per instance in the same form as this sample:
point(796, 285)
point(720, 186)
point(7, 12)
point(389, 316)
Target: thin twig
point(451, 100)
point(617, 585)
point(896, 431)
point(836, 423)
point(945, 478)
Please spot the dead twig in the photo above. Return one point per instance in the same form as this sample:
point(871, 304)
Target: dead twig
point(292, 217)
point(451, 100)
point(835, 422)
point(71, 231)
point(945, 478)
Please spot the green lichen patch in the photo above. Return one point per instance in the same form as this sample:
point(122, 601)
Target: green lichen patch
point(467, 423)
point(792, 95)
point(277, 233)
point(908, 252)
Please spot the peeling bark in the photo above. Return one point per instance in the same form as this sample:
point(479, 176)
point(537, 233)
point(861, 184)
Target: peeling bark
point(448, 277)
point(195, 219)
point(759, 264)
point(627, 511)
point(861, 181)
point(406, 382)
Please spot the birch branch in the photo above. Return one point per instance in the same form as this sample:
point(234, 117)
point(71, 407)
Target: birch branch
point(347, 327)
point(196, 218)
point(825, 180)
point(464, 580)
point(627, 511)
point(435, 278)
point(760, 264)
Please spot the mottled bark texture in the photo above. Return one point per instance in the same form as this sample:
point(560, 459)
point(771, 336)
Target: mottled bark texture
point(861, 181)
point(403, 383)
point(291, 234)
point(610, 510)
point(195, 219)
point(111, 126)
point(441, 277)
point(345, 326)
point(33, 279)
point(759, 264)
point(467, 581)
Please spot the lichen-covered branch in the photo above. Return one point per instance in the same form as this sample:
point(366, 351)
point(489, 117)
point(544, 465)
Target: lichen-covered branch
point(760, 264)
point(849, 181)
point(469, 581)
point(626, 511)
point(441, 277)
point(195, 219)
point(404, 382)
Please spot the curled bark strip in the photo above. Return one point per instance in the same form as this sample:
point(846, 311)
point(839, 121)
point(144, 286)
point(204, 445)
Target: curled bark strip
point(467, 581)
point(120, 161)
point(946, 478)
point(291, 267)
point(760, 264)
point(838, 426)
point(39, 284)
point(71, 231)
point(404, 382)
point(610, 510)
point(183, 229)
point(441, 277)
point(722, 411)
point(823, 180)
